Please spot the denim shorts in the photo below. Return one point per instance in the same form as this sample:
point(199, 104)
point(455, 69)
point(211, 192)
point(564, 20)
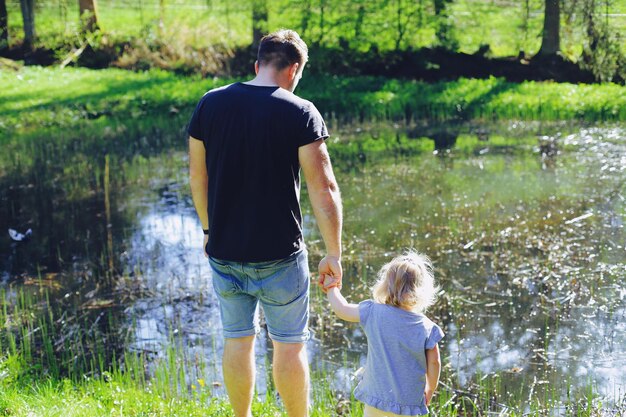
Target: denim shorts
point(281, 287)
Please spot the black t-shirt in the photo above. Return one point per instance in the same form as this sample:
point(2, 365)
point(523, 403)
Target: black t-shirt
point(251, 135)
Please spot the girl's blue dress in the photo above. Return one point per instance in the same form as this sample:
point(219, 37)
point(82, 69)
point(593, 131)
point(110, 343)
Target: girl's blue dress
point(395, 370)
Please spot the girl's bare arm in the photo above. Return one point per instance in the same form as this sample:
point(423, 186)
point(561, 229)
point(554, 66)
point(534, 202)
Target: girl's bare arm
point(343, 309)
point(433, 368)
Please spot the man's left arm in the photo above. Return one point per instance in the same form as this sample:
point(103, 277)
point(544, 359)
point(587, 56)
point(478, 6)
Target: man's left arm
point(199, 183)
point(326, 203)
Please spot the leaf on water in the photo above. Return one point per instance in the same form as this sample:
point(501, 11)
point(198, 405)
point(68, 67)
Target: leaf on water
point(97, 304)
point(469, 244)
point(506, 231)
point(42, 283)
point(579, 218)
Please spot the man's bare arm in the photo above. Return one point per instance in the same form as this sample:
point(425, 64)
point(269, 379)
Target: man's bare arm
point(326, 202)
point(199, 181)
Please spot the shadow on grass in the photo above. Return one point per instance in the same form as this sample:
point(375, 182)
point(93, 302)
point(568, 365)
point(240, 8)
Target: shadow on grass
point(115, 90)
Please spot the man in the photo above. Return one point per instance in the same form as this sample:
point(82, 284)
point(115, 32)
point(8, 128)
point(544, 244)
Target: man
point(247, 144)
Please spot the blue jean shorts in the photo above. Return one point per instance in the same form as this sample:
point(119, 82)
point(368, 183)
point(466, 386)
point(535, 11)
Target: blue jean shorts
point(281, 287)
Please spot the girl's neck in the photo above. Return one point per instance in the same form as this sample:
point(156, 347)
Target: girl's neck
point(407, 308)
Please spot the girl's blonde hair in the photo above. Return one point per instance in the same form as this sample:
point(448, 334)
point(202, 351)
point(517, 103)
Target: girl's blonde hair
point(407, 281)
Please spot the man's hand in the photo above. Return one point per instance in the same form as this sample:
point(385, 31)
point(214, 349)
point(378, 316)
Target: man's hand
point(206, 241)
point(330, 265)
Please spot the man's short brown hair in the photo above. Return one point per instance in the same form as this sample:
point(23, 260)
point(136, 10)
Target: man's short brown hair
point(282, 49)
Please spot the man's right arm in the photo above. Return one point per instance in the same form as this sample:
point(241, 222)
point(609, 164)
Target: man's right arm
point(199, 182)
point(326, 202)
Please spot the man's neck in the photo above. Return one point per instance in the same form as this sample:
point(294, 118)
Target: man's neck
point(264, 79)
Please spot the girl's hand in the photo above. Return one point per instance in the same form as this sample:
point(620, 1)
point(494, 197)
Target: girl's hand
point(329, 282)
point(428, 395)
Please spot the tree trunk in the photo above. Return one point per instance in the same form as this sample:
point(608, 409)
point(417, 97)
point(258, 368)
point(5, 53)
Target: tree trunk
point(591, 29)
point(88, 12)
point(306, 18)
point(259, 21)
point(550, 42)
point(4, 26)
point(440, 6)
point(358, 24)
point(28, 16)
point(526, 20)
point(321, 24)
point(400, 29)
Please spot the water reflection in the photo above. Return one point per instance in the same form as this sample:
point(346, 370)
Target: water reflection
point(172, 301)
point(519, 255)
point(534, 287)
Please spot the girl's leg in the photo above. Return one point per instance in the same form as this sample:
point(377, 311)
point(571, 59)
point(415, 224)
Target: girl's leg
point(369, 411)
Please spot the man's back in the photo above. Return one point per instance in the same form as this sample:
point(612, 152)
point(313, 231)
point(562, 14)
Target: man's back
point(251, 135)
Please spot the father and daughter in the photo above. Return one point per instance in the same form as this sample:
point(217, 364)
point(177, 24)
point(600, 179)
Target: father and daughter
point(248, 142)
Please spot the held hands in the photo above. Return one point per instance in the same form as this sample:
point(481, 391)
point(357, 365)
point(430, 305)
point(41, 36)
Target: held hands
point(330, 266)
point(330, 282)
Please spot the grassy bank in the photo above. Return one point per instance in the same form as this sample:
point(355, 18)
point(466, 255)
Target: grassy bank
point(117, 395)
point(31, 383)
point(36, 98)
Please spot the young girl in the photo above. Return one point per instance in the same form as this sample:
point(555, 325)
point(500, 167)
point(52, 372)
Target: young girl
point(402, 367)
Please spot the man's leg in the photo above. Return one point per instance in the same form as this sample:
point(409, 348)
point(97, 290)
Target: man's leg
point(291, 376)
point(240, 324)
point(239, 372)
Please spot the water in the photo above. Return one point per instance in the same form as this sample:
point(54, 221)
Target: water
point(525, 226)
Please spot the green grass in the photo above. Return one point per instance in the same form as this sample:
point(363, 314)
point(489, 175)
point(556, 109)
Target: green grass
point(117, 393)
point(122, 393)
point(112, 394)
point(36, 98)
point(381, 98)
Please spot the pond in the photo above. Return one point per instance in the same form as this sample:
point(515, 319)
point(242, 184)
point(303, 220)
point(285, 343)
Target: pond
point(524, 223)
